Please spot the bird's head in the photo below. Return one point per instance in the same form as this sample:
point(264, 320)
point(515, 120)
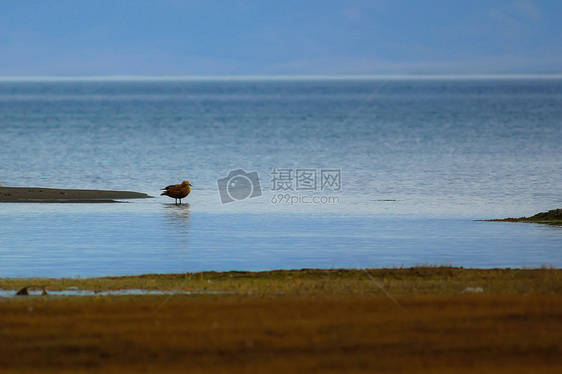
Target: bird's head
point(186, 183)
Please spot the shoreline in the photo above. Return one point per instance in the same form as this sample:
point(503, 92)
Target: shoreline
point(438, 320)
point(419, 280)
point(61, 195)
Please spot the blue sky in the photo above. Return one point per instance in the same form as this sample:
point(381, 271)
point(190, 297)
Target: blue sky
point(307, 37)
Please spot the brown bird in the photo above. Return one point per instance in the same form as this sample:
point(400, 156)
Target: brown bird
point(177, 191)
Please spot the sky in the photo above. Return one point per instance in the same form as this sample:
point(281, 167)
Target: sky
point(306, 37)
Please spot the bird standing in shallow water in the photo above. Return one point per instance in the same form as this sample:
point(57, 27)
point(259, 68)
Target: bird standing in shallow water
point(177, 191)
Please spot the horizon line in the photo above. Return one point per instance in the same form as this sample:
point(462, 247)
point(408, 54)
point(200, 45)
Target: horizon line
point(54, 78)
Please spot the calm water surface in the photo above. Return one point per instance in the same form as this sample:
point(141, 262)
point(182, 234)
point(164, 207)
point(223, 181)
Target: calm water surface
point(418, 163)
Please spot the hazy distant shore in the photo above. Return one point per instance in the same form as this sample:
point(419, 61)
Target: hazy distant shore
point(54, 195)
point(294, 77)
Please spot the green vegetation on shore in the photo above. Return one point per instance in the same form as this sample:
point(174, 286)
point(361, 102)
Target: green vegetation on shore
point(553, 216)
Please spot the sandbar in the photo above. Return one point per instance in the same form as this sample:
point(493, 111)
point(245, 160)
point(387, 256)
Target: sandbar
point(59, 195)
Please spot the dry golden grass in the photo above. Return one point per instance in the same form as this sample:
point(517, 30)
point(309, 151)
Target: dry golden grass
point(299, 321)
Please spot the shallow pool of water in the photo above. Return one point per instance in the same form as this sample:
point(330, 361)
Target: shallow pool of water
point(154, 236)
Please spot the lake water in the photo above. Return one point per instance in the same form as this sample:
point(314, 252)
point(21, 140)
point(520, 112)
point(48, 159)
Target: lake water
point(336, 173)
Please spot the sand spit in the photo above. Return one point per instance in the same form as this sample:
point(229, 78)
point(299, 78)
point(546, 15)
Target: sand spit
point(57, 195)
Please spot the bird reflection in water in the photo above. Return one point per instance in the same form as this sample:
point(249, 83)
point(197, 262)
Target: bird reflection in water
point(178, 217)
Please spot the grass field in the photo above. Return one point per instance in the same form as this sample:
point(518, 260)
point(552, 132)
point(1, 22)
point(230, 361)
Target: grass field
point(291, 321)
